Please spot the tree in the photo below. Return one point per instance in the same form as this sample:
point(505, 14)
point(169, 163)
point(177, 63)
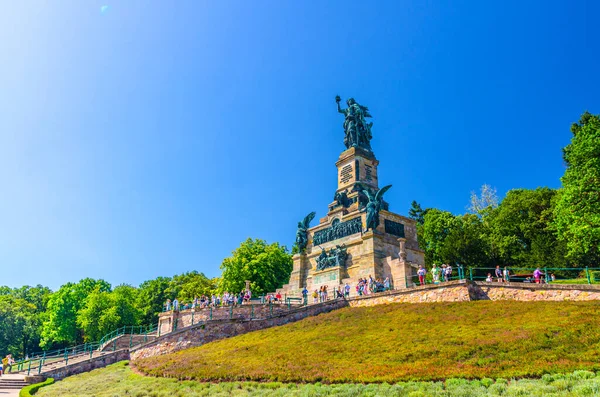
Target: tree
point(185, 287)
point(267, 266)
point(577, 210)
point(487, 200)
point(19, 326)
point(436, 228)
point(60, 326)
point(417, 213)
point(521, 229)
point(105, 311)
point(464, 244)
point(151, 297)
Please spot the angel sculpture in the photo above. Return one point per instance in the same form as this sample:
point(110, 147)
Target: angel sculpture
point(302, 232)
point(373, 205)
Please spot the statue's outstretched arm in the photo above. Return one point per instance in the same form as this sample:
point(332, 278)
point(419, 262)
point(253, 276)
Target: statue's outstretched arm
point(340, 110)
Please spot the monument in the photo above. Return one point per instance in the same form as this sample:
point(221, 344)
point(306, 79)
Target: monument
point(359, 237)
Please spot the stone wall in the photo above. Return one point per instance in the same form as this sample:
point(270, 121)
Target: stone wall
point(532, 292)
point(200, 334)
point(170, 321)
point(453, 291)
point(88, 365)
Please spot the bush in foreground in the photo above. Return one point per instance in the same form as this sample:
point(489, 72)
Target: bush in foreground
point(402, 342)
point(30, 390)
point(119, 380)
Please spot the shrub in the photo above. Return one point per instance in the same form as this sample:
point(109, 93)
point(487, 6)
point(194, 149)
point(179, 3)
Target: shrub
point(30, 390)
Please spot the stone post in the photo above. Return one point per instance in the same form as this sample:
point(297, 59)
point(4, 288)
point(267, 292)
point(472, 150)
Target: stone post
point(402, 253)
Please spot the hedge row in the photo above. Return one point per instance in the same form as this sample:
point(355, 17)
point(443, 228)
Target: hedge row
point(30, 390)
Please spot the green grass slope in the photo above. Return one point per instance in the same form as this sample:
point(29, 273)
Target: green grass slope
point(119, 380)
point(403, 342)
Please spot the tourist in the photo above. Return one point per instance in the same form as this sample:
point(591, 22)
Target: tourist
point(421, 273)
point(488, 279)
point(315, 296)
point(537, 275)
point(305, 295)
point(448, 273)
point(552, 277)
point(386, 284)
point(325, 293)
point(506, 274)
point(175, 305)
point(168, 305)
point(347, 290)
point(278, 297)
point(443, 272)
point(339, 293)
point(435, 274)
point(498, 274)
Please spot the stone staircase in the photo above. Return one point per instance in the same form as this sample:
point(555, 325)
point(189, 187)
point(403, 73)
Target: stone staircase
point(10, 384)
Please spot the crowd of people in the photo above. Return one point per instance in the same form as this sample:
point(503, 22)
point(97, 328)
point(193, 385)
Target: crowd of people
point(438, 274)
point(226, 299)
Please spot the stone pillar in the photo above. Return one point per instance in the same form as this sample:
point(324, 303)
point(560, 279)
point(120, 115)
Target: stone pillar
point(402, 253)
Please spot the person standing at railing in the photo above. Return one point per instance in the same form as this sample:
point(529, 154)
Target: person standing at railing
point(435, 274)
point(448, 273)
point(506, 275)
point(537, 275)
point(421, 273)
point(168, 305)
point(489, 279)
point(498, 274)
point(175, 305)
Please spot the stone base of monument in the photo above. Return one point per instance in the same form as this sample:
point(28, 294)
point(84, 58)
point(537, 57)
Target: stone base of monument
point(341, 248)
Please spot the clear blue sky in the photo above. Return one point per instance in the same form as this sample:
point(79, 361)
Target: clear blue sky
point(154, 137)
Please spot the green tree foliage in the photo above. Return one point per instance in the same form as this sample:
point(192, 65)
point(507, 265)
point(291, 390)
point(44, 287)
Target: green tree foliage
point(521, 229)
point(60, 326)
point(578, 207)
point(105, 311)
point(267, 266)
point(465, 243)
point(436, 228)
point(19, 325)
point(417, 212)
point(185, 287)
point(151, 297)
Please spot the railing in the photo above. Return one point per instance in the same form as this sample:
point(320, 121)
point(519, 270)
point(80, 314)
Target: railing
point(547, 275)
point(36, 361)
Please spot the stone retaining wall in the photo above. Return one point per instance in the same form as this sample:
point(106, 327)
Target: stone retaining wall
point(88, 365)
point(532, 292)
point(169, 321)
point(452, 291)
point(200, 334)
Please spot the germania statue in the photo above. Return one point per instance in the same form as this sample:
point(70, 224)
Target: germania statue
point(357, 130)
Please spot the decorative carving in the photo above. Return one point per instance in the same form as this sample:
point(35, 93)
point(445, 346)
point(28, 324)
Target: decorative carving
point(395, 228)
point(357, 130)
point(302, 232)
point(335, 257)
point(337, 230)
point(373, 206)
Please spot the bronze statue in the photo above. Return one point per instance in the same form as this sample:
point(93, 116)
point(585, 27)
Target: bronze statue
point(373, 205)
point(302, 232)
point(357, 130)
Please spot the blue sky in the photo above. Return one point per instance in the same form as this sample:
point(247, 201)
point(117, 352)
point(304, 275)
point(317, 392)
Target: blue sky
point(154, 137)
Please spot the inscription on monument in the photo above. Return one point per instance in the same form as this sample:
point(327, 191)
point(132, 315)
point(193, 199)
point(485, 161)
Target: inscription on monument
point(346, 173)
point(338, 230)
point(395, 228)
point(368, 171)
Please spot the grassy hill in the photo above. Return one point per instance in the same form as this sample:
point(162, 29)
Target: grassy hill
point(403, 342)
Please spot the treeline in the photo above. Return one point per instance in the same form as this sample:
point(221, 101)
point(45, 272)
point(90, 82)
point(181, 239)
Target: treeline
point(36, 318)
point(528, 228)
